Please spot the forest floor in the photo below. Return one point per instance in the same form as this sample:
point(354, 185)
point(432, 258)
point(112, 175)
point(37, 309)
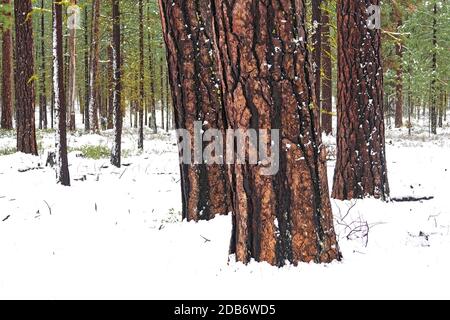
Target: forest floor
point(116, 233)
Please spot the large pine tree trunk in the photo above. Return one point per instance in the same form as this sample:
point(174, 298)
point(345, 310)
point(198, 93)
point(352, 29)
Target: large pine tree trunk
point(188, 33)
point(117, 90)
point(25, 78)
point(7, 75)
point(267, 78)
point(361, 168)
point(62, 165)
point(327, 81)
point(94, 68)
point(72, 74)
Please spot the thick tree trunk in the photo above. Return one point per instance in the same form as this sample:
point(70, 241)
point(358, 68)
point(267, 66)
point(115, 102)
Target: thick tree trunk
point(141, 75)
point(188, 33)
point(361, 168)
point(327, 81)
point(117, 92)
point(7, 74)
point(72, 74)
point(62, 164)
point(25, 78)
point(94, 68)
point(268, 82)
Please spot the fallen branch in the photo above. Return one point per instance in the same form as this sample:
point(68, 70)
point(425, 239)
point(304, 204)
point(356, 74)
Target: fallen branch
point(412, 199)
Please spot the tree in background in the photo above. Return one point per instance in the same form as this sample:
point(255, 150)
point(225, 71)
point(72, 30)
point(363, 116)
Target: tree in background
point(117, 85)
point(7, 66)
point(25, 78)
point(94, 75)
point(62, 164)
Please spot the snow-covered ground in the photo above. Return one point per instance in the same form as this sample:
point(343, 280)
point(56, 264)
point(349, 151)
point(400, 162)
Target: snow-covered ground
point(116, 233)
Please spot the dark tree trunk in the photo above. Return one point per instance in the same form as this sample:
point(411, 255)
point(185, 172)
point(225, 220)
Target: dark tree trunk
point(193, 79)
point(141, 75)
point(25, 78)
point(268, 84)
point(361, 168)
point(117, 92)
point(7, 75)
point(327, 81)
point(62, 164)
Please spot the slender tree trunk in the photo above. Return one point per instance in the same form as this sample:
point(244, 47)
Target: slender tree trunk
point(161, 79)
point(141, 75)
point(268, 81)
point(399, 71)
point(168, 108)
point(111, 85)
point(7, 74)
point(72, 73)
point(188, 34)
point(43, 91)
point(153, 124)
point(94, 68)
point(361, 168)
point(327, 81)
point(433, 91)
point(317, 47)
point(87, 126)
point(117, 92)
point(25, 78)
point(62, 164)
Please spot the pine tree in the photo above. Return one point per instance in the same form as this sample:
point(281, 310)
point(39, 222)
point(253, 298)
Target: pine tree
point(361, 168)
point(25, 78)
point(7, 66)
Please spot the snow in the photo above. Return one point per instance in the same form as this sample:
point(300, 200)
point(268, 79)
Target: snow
point(116, 233)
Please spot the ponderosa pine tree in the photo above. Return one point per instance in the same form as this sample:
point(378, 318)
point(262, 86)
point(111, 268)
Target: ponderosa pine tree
point(116, 153)
point(317, 47)
point(361, 168)
point(72, 86)
point(94, 75)
point(267, 79)
point(62, 164)
point(188, 33)
point(141, 76)
point(43, 118)
point(7, 67)
point(327, 67)
point(25, 78)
